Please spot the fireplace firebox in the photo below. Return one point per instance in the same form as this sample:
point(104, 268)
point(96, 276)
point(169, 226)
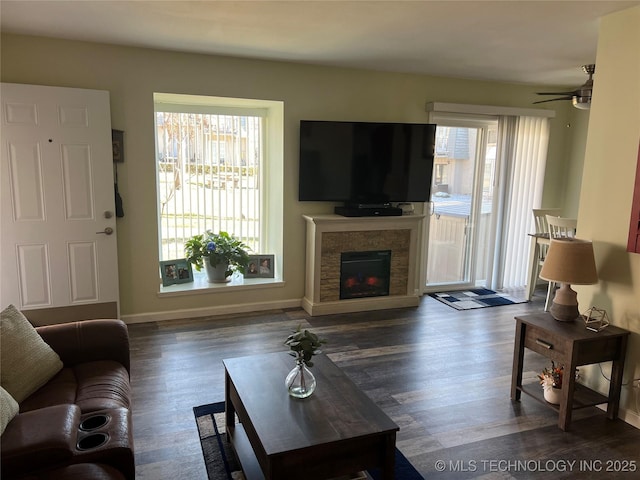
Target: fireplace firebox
point(365, 274)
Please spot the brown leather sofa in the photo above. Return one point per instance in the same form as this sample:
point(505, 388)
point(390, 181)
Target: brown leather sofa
point(78, 425)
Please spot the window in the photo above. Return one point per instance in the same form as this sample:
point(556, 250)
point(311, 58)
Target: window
point(463, 203)
point(215, 171)
point(507, 184)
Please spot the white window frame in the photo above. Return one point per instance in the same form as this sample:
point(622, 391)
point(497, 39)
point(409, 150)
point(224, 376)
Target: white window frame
point(272, 182)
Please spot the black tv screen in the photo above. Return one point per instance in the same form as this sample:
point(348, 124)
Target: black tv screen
point(365, 162)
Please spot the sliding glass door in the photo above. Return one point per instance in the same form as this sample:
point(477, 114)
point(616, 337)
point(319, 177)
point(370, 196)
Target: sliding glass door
point(462, 214)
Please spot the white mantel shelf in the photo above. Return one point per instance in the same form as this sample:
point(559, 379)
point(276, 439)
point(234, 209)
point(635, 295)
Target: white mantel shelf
point(319, 225)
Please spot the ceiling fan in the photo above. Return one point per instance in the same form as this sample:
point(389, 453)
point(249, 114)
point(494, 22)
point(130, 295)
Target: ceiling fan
point(581, 96)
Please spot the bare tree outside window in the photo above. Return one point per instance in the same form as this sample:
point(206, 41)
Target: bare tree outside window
point(209, 169)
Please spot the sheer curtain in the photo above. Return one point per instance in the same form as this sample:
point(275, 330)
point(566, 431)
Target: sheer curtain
point(524, 143)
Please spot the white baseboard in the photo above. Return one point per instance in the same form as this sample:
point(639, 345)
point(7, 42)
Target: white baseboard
point(627, 416)
point(210, 311)
point(630, 417)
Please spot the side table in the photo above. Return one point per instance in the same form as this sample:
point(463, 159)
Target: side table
point(569, 344)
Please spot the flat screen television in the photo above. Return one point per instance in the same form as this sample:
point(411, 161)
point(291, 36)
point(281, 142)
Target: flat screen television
point(365, 163)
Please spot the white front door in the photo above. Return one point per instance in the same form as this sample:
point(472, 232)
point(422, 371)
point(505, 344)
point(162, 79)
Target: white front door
point(58, 223)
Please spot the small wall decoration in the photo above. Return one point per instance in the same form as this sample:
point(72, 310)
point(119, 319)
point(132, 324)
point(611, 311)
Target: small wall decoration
point(175, 271)
point(117, 144)
point(260, 266)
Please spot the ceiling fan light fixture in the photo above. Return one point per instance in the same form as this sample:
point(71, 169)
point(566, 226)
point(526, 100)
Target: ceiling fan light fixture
point(581, 96)
point(582, 103)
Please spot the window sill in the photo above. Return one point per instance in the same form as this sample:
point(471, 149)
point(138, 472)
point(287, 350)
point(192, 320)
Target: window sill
point(200, 285)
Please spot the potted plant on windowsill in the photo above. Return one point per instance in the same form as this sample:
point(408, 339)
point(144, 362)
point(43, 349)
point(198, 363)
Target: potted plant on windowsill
point(220, 254)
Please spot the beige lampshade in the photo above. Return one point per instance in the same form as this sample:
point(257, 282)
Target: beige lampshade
point(570, 260)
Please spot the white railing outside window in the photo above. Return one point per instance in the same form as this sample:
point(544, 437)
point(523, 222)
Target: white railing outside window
point(209, 173)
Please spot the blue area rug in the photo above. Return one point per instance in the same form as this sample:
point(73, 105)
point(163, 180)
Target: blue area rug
point(218, 454)
point(474, 298)
point(222, 464)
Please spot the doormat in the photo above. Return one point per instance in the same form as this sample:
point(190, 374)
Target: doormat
point(221, 462)
point(474, 298)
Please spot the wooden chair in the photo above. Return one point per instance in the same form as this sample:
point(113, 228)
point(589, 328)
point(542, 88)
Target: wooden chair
point(559, 227)
point(540, 218)
point(541, 228)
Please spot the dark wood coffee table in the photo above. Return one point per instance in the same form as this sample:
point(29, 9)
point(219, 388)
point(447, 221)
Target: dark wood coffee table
point(336, 431)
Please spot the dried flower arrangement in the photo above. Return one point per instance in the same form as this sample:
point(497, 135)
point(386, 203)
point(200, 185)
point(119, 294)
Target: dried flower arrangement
point(552, 378)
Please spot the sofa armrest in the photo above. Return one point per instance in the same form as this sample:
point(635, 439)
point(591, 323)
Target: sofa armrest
point(40, 439)
point(89, 340)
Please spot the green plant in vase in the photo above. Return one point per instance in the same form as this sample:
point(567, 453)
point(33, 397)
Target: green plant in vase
point(217, 249)
point(304, 344)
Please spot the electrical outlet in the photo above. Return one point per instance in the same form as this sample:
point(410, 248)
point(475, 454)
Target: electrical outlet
point(636, 383)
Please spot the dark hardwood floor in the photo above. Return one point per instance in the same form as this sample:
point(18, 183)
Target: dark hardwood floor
point(443, 376)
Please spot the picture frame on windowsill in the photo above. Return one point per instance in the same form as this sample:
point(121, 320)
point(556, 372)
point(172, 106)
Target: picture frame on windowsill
point(260, 266)
point(175, 271)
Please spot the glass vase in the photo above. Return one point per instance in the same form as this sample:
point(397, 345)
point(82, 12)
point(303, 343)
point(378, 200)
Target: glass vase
point(300, 382)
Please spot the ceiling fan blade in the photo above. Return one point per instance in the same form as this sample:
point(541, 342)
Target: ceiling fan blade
point(581, 96)
point(554, 99)
point(574, 92)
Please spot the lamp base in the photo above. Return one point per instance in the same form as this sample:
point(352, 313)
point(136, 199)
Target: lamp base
point(564, 313)
point(565, 304)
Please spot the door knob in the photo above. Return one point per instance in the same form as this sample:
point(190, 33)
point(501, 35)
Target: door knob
point(107, 231)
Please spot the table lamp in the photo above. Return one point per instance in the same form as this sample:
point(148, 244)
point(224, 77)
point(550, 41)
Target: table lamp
point(569, 261)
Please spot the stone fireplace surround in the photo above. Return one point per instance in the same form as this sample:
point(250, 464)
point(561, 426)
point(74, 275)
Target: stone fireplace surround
point(330, 235)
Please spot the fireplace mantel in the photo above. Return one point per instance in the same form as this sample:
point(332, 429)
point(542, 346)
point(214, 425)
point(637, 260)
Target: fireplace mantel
point(330, 235)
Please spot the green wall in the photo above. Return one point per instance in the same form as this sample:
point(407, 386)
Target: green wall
point(607, 190)
point(132, 75)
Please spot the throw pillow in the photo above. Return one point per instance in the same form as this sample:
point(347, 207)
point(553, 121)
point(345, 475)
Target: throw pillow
point(8, 409)
point(27, 361)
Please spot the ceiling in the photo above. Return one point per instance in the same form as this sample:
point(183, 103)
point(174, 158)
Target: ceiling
point(534, 42)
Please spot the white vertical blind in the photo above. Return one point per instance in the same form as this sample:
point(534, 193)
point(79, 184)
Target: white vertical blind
point(526, 171)
point(209, 167)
